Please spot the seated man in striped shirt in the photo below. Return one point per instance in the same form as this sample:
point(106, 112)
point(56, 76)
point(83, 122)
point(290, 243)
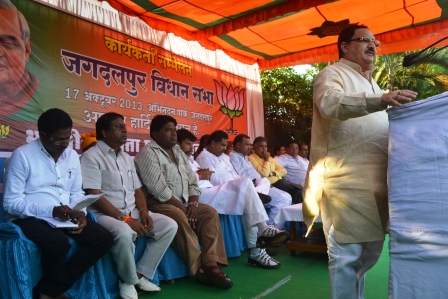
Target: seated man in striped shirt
point(171, 189)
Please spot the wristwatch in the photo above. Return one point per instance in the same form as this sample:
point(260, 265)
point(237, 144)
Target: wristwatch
point(194, 203)
point(121, 216)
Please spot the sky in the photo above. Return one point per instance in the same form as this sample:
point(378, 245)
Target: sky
point(301, 69)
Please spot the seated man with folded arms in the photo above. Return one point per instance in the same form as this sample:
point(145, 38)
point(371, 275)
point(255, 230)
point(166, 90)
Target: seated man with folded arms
point(267, 167)
point(258, 233)
point(295, 165)
point(239, 159)
point(122, 210)
point(171, 189)
point(41, 178)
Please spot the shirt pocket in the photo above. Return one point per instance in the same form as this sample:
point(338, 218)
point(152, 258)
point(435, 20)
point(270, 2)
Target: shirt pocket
point(111, 181)
point(130, 180)
point(70, 177)
point(169, 171)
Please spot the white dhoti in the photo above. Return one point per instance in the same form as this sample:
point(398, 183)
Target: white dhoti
point(238, 197)
point(263, 186)
point(279, 200)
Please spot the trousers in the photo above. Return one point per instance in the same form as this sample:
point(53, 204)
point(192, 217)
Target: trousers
point(59, 274)
point(293, 189)
point(207, 234)
point(348, 264)
point(158, 240)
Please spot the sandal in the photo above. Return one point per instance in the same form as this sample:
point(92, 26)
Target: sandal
point(213, 276)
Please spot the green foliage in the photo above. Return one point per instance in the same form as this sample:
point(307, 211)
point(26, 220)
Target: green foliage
point(288, 103)
point(288, 99)
point(428, 77)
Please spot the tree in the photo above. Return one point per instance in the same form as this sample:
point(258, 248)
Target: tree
point(288, 99)
point(427, 77)
point(288, 103)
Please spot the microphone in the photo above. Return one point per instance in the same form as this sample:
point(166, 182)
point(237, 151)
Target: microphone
point(411, 59)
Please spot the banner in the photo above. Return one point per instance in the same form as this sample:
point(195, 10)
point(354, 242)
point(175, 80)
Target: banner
point(88, 70)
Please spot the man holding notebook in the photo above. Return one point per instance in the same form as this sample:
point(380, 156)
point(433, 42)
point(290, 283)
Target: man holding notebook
point(41, 179)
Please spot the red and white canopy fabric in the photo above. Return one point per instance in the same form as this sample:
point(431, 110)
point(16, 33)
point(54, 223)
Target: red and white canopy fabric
point(276, 33)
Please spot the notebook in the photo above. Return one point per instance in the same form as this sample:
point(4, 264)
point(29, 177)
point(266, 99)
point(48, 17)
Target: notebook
point(56, 223)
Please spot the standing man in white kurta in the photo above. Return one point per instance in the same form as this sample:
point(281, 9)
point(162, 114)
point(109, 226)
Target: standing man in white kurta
point(239, 159)
point(348, 163)
point(122, 210)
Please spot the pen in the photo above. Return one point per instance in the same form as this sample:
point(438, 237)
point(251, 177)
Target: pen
point(74, 220)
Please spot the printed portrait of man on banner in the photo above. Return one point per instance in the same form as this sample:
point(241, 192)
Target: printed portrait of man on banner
point(17, 85)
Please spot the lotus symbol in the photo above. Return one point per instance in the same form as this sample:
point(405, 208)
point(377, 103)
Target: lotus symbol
point(4, 131)
point(231, 100)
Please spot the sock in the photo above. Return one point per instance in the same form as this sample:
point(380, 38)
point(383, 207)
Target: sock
point(261, 227)
point(255, 251)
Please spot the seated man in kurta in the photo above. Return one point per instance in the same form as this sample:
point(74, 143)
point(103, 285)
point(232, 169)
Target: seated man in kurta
point(258, 233)
point(122, 210)
point(295, 165)
point(269, 168)
point(238, 157)
point(171, 189)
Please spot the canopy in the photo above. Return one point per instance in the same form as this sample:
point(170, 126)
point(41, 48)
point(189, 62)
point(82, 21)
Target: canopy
point(276, 33)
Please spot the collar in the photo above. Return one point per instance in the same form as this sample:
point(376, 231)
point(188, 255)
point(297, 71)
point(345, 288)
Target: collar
point(155, 145)
point(107, 149)
point(237, 153)
point(367, 74)
point(45, 152)
point(208, 153)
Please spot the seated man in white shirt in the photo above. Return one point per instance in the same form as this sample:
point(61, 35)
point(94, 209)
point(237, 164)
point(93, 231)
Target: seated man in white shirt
point(303, 150)
point(247, 203)
point(41, 179)
point(238, 158)
point(122, 210)
point(296, 165)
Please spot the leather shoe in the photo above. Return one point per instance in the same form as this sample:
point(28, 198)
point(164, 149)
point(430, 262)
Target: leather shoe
point(145, 285)
point(265, 199)
point(127, 291)
point(271, 251)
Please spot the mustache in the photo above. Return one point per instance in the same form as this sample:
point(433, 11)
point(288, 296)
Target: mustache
point(370, 50)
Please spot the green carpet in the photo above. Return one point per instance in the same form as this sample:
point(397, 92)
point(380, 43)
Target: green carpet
point(304, 275)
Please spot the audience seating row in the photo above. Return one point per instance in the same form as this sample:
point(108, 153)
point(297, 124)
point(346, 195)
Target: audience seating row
point(20, 260)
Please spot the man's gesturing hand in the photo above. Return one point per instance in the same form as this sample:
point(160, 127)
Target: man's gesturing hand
point(396, 97)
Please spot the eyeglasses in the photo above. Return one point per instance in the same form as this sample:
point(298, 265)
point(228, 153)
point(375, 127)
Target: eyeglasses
point(63, 141)
point(366, 40)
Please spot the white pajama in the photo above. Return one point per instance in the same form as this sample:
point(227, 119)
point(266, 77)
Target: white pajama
point(279, 200)
point(123, 250)
point(348, 264)
point(238, 197)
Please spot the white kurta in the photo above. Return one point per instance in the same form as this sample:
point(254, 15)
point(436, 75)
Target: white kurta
point(348, 160)
point(232, 198)
point(280, 198)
